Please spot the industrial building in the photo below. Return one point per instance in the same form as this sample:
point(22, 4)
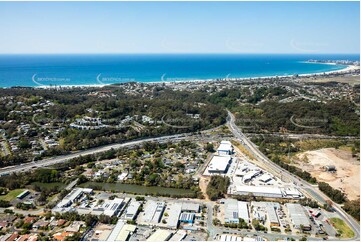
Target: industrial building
point(160, 235)
point(243, 211)
point(265, 178)
point(126, 232)
point(263, 209)
point(122, 231)
point(298, 216)
point(179, 235)
point(231, 211)
point(234, 210)
point(73, 196)
point(112, 207)
point(187, 218)
point(260, 191)
point(250, 175)
point(132, 210)
point(225, 148)
point(175, 210)
point(219, 165)
point(291, 192)
point(244, 167)
point(118, 227)
point(153, 211)
point(272, 216)
point(190, 207)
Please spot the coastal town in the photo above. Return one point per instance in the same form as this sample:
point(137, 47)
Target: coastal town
point(210, 183)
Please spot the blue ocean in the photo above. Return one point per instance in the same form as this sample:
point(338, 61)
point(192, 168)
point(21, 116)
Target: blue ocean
point(50, 70)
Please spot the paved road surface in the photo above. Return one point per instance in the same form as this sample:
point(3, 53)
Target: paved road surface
point(310, 189)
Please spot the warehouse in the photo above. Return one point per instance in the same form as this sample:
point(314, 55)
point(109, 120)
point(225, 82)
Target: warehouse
point(174, 211)
point(250, 175)
point(272, 216)
point(190, 207)
point(112, 207)
point(265, 178)
point(115, 232)
point(179, 235)
point(125, 232)
point(153, 212)
point(259, 191)
point(298, 216)
point(160, 235)
point(243, 211)
point(187, 218)
point(231, 211)
point(132, 210)
point(225, 148)
point(73, 196)
point(219, 165)
point(292, 193)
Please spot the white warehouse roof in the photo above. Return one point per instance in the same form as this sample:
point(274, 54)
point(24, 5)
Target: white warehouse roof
point(225, 146)
point(259, 189)
point(219, 163)
point(243, 211)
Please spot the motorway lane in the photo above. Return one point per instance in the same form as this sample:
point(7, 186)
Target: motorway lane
point(64, 158)
point(318, 195)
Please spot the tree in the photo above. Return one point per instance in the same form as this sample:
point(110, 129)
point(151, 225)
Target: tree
point(217, 187)
point(209, 147)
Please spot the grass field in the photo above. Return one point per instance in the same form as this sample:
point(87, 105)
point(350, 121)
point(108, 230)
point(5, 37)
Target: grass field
point(243, 149)
point(11, 195)
point(342, 228)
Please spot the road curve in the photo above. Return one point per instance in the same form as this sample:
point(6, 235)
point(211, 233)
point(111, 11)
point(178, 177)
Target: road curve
point(318, 195)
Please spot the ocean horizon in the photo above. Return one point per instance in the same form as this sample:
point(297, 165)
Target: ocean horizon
point(104, 69)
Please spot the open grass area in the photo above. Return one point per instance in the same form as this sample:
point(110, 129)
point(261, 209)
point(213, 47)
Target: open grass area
point(11, 195)
point(243, 149)
point(342, 228)
point(314, 144)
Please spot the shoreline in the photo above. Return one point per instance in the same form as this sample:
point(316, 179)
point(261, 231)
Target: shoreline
point(345, 70)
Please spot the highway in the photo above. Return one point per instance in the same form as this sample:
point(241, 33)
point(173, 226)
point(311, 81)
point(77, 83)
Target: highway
point(61, 159)
point(307, 188)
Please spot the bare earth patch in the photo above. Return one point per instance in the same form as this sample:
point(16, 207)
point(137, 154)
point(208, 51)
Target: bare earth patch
point(347, 177)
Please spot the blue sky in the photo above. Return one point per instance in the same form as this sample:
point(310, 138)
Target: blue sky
point(179, 27)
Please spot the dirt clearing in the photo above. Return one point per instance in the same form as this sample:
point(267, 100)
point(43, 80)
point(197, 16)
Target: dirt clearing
point(347, 176)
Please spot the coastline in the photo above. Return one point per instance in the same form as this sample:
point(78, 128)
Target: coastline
point(346, 69)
